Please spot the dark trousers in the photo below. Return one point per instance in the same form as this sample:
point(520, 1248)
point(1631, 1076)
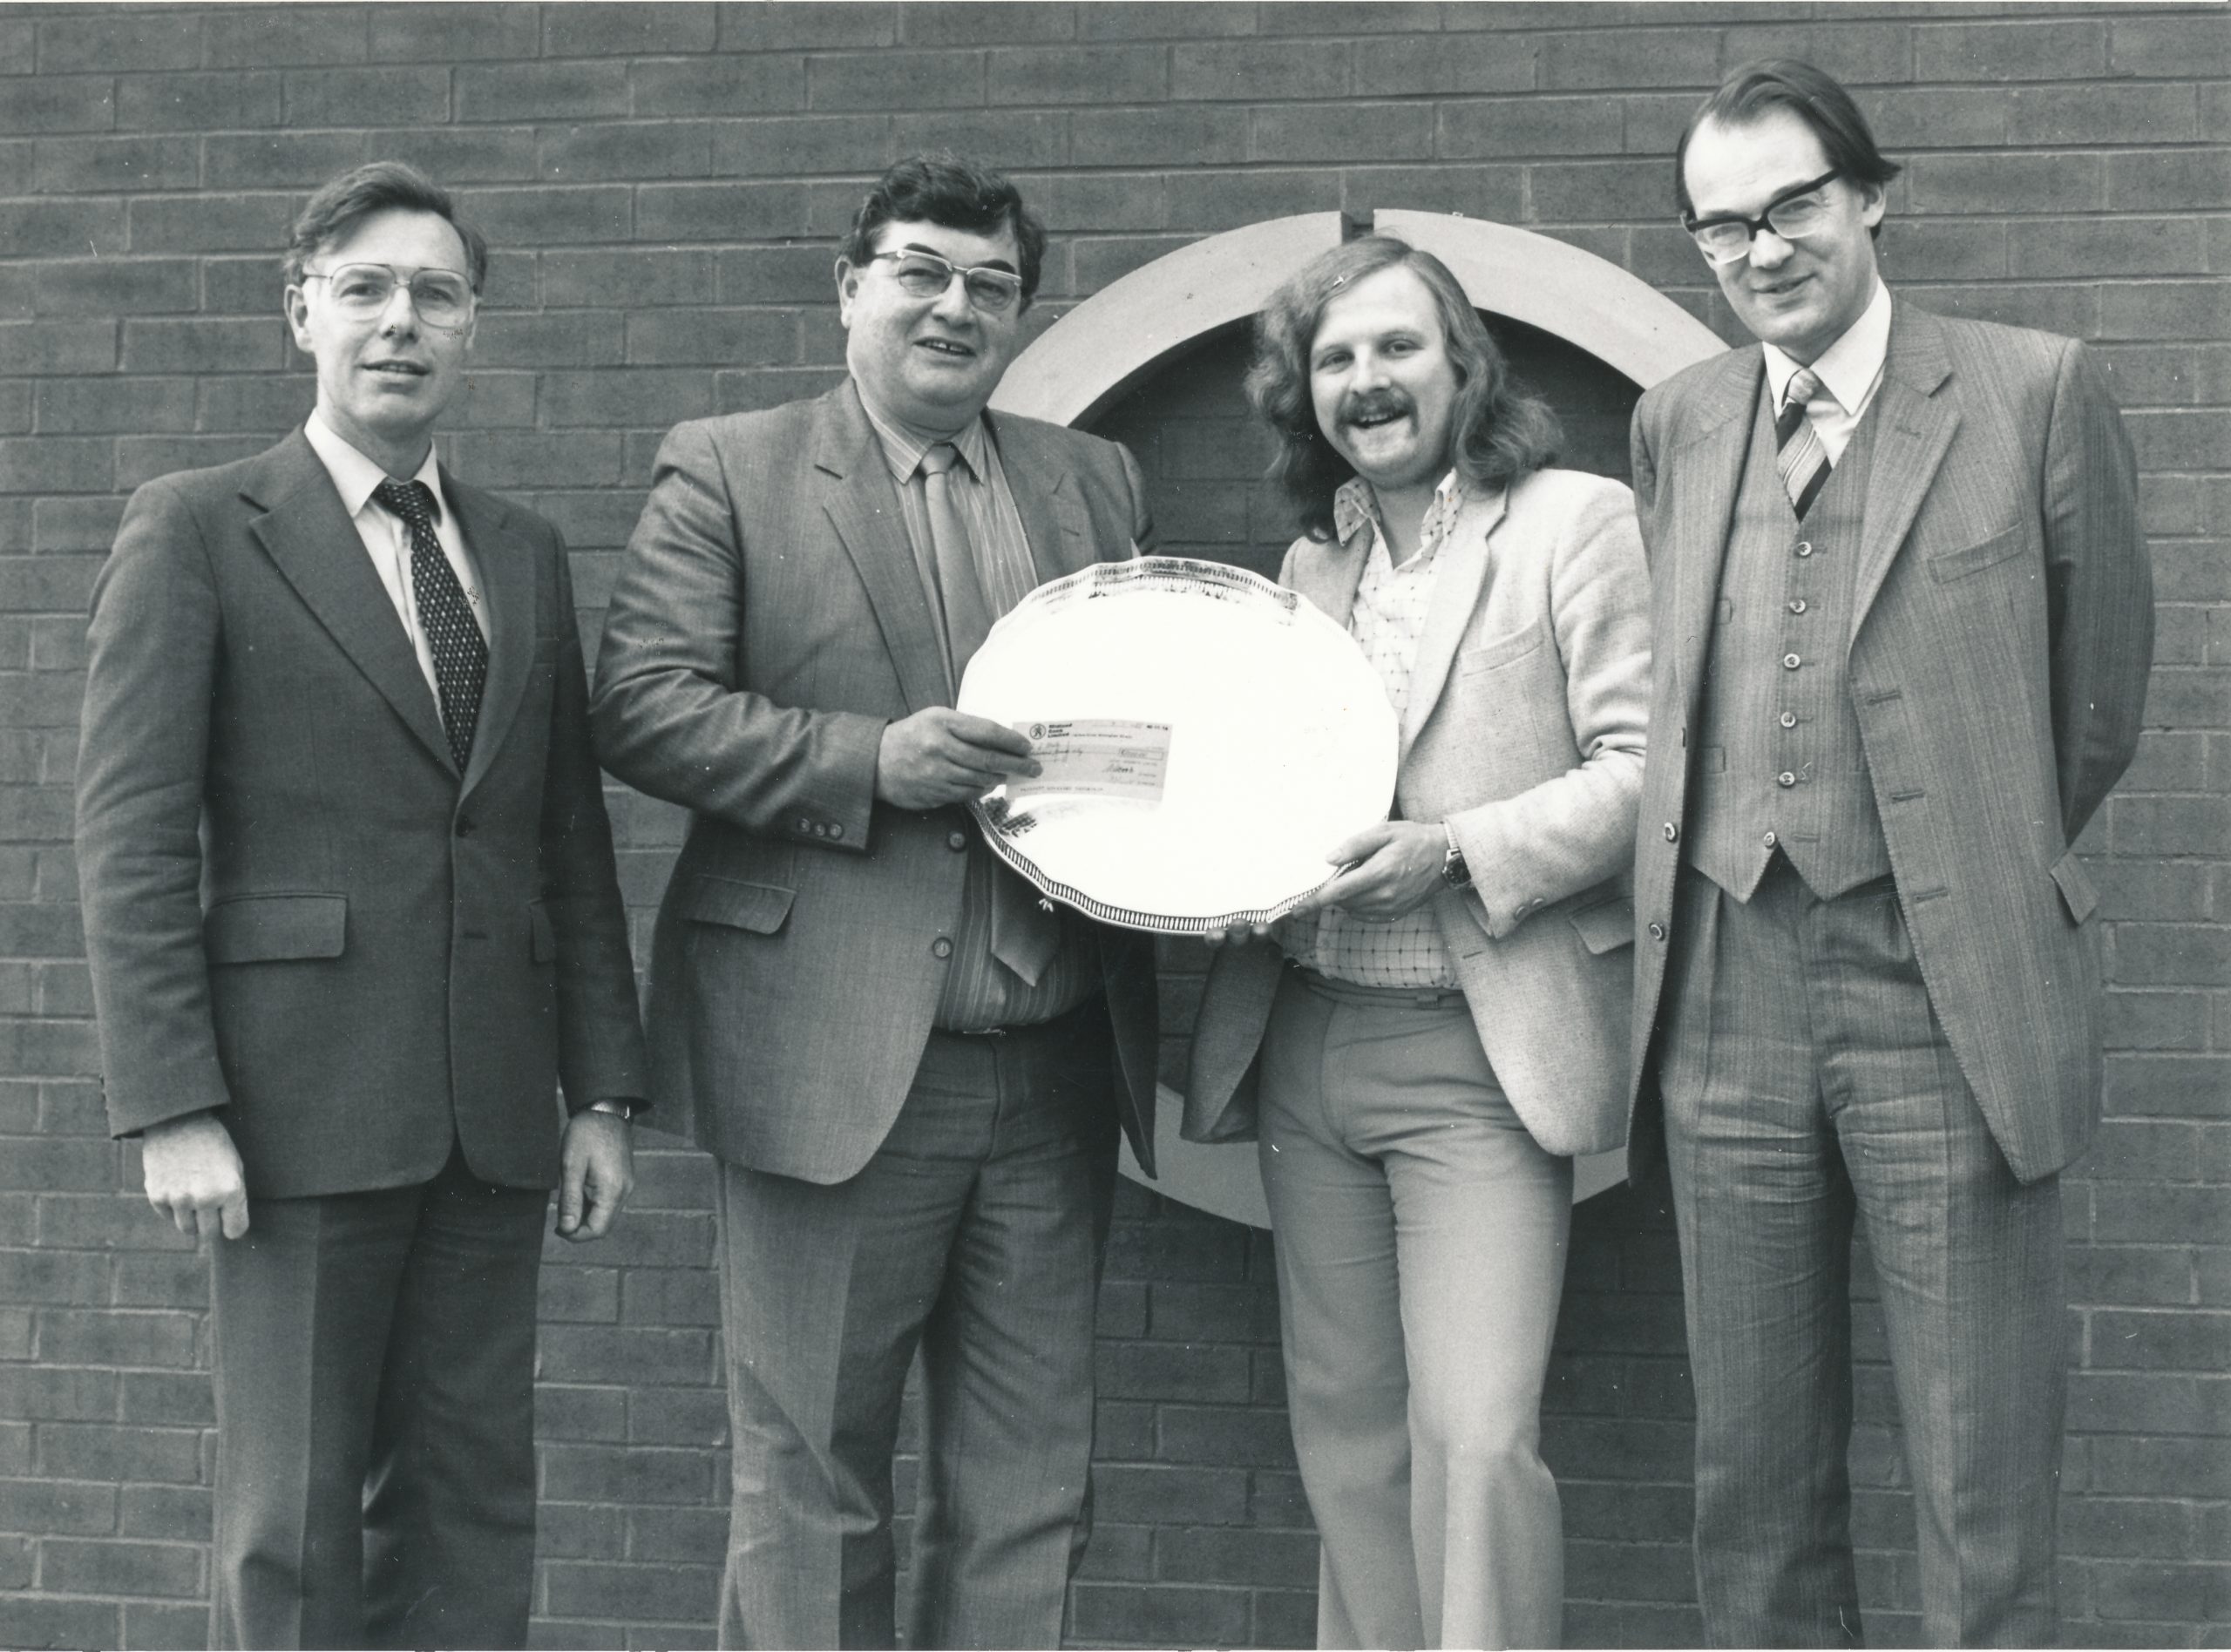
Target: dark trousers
point(1808, 1084)
point(975, 1234)
point(374, 1383)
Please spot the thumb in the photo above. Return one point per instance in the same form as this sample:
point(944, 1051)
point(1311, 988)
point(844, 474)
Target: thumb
point(234, 1215)
point(1361, 846)
point(569, 1192)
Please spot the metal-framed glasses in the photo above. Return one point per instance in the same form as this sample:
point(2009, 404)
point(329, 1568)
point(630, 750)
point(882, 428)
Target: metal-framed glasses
point(1800, 210)
point(925, 275)
point(442, 297)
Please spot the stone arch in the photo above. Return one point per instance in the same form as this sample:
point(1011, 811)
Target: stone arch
point(1137, 325)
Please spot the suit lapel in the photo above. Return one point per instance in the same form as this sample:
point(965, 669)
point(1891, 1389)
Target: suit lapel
point(315, 546)
point(1912, 431)
point(1710, 466)
point(1462, 576)
point(863, 507)
point(1055, 521)
point(506, 562)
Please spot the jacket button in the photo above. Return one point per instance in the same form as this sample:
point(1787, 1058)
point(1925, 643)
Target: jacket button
point(1804, 548)
point(1790, 663)
point(805, 827)
point(1770, 840)
point(1789, 720)
point(1672, 833)
point(956, 841)
point(1784, 778)
point(940, 948)
point(836, 829)
point(1658, 931)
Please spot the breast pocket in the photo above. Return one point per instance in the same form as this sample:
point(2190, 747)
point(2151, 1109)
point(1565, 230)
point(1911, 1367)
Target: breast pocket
point(1497, 652)
point(1974, 558)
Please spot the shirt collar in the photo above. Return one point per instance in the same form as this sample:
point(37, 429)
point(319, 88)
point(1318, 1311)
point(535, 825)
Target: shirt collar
point(1356, 505)
point(354, 473)
point(903, 445)
point(1849, 367)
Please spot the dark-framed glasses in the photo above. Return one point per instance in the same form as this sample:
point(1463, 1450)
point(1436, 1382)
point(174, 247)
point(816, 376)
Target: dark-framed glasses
point(1800, 210)
point(442, 297)
point(925, 275)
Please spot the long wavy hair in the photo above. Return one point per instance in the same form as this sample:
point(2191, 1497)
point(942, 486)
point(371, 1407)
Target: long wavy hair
point(1500, 431)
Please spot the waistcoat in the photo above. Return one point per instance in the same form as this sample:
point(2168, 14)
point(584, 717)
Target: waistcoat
point(1779, 762)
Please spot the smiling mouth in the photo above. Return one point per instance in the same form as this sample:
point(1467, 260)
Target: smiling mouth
point(397, 369)
point(945, 347)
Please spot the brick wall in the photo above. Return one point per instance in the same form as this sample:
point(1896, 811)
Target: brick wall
point(661, 184)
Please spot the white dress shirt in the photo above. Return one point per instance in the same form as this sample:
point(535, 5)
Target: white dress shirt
point(1850, 372)
point(387, 539)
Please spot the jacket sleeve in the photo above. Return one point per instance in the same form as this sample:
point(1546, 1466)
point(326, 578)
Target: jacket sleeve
point(599, 1029)
point(2099, 590)
point(671, 717)
point(1576, 830)
point(155, 647)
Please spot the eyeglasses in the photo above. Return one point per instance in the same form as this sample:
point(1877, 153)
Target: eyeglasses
point(442, 297)
point(1798, 211)
point(926, 275)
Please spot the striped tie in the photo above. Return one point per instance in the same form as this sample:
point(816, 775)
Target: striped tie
point(1799, 456)
point(453, 635)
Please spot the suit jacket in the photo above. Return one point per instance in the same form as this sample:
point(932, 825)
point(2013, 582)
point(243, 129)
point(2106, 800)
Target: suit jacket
point(1997, 660)
point(1525, 734)
point(297, 911)
point(769, 620)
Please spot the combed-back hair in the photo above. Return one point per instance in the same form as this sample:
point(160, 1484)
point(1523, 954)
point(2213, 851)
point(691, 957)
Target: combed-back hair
point(378, 187)
point(1811, 94)
point(943, 188)
point(1499, 431)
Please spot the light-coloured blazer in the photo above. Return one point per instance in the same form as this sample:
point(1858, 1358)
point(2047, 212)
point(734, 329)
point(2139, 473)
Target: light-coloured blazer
point(1997, 663)
point(769, 620)
point(1525, 734)
point(297, 911)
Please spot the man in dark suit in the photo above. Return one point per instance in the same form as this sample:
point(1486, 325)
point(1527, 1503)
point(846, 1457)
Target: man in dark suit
point(1903, 618)
point(352, 917)
point(910, 1073)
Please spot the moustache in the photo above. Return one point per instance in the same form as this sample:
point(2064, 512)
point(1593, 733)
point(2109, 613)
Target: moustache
point(1374, 405)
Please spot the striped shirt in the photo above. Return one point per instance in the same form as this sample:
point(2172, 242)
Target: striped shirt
point(980, 990)
point(1391, 609)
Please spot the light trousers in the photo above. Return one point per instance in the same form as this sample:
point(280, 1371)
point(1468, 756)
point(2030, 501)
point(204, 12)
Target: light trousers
point(974, 1235)
point(1421, 1239)
point(1808, 1085)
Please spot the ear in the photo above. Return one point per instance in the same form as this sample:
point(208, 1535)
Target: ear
point(848, 284)
point(1871, 203)
point(296, 305)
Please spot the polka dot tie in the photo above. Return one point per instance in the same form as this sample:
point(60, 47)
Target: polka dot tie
point(453, 635)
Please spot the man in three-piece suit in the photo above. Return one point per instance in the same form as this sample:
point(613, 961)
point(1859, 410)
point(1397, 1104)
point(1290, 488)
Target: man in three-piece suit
point(1902, 625)
point(910, 1073)
point(352, 918)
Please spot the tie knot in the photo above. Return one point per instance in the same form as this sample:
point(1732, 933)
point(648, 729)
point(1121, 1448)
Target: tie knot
point(1804, 385)
point(939, 457)
point(412, 501)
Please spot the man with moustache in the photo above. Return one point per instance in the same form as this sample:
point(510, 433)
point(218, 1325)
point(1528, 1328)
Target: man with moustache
point(352, 917)
point(910, 1070)
point(1448, 1024)
point(1903, 617)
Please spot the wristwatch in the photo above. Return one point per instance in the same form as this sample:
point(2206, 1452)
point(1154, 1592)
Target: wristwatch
point(619, 1109)
point(1454, 872)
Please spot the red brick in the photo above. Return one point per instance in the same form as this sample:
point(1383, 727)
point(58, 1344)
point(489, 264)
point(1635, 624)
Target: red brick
point(2168, 181)
point(57, 228)
point(2095, 114)
point(664, 1416)
point(2027, 49)
point(1235, 70)
point(2177, 1467)
point(750, 25)
point(112, 39)
point(2166, 310)
point(719, 212)
point(2183, 439)
point(98, 1452)
point(1151, 1495)
point(451, 33)
point(98, 1568)
point(580, 1415)
point(1685, 56)
point(727, 85)
point(142, 458)
point(662, 149)
point(204, 346)
point(2178, 47)
point(212, 224)
point(1204, 136)
point(640, 1590)
point(1066, 76)
point(1166, 20)
point(628, 1475)
point(317, 35)
point(590, 213)
point(74, 166)
point(1223, 1434)
point(2006, 183)
point(1163, 1615)
point(1858, 54)
point(60, 1622)
point(60, 103)
point(1011, 139)
point(264, 161)
point(462, 154)
point(541, 90)
point(607, 31)
point(149, 1625)
point(561, 338)
point(885, 79)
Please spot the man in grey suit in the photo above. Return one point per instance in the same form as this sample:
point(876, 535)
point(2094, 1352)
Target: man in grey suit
point(1902, 621)
point(910, 1073)
point(352, 917)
